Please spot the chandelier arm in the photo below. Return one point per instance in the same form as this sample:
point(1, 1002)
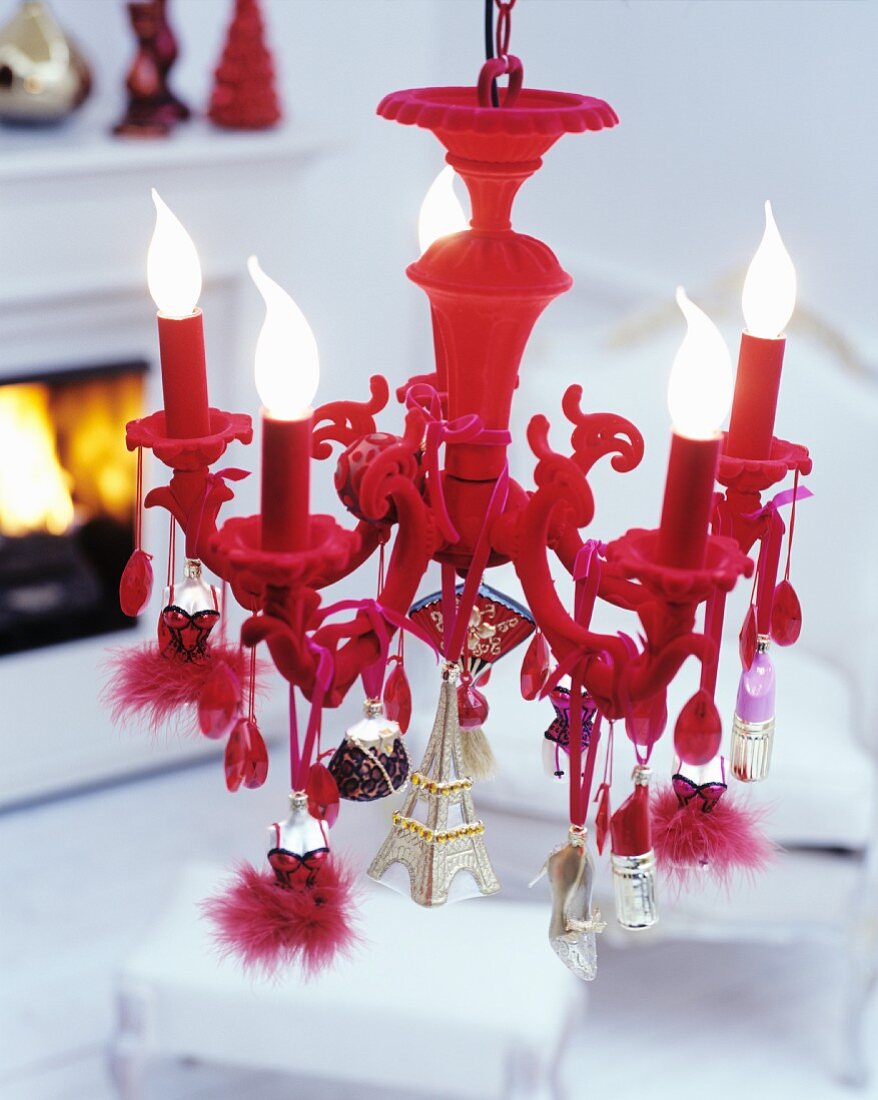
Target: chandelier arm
point(613, 586)
point(653, 671)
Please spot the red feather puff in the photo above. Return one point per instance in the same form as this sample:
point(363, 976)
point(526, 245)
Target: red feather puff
point(687, 841)
point(146, 687)
point(269, 926)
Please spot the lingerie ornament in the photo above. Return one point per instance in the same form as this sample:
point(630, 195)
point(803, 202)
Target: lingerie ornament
point(700, 829)
point(556, 739)
point(753, 726)
point(192, 610)
point(574, 923)
point(298, 911)
point(633, 858)
point(371, 762)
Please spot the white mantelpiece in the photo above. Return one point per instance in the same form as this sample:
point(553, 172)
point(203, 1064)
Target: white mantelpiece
point(75, 222)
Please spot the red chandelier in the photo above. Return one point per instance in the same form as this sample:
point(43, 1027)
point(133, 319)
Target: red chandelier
point(441, 492)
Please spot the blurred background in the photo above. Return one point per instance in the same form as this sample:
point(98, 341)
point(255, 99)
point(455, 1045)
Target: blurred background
point(722, 104)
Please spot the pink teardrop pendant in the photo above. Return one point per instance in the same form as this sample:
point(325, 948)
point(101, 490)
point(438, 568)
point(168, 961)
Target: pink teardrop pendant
point(472, 707)
point(135, 586)
point(256, 770)
point(747, 638)
point(535, 667)
point(786, 615)
point(698, 733)
point(322, 791)
point(218, 702)
point(398, 698)
point(647, 720)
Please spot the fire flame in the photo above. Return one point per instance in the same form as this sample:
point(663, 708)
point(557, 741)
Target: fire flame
point(34, 487)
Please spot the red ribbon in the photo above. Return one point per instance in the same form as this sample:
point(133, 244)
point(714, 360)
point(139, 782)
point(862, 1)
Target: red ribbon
point(464, 429)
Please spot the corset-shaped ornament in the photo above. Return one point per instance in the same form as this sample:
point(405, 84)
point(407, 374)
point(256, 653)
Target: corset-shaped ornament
point(753, 727)
point(556, 739)
point(191, 611)
point(298, 845)
point(633, 858)
point(371, 762)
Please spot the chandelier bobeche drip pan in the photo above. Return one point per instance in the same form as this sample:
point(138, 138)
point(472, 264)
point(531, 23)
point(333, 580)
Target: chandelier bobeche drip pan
point(441, 492)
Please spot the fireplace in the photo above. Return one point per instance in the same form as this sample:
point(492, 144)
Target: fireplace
point(66, 502)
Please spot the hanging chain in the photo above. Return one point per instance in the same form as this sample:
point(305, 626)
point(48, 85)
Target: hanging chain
point(504, 26)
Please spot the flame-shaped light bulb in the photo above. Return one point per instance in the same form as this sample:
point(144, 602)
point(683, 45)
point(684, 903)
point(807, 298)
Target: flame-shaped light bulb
point(287, 363)
point(769, 296)
point(700, 386)
point(173, 271)
point(441, 212)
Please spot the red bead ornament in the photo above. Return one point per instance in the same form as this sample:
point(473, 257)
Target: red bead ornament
point(219, 701)
point(535, 667)
point(748, 638)
point(322, 792)
point(135, 587)
point(246, 759)
point(698, 733)
point(352, 466)
point(472, 706)
point(786, 615)
point(398, 696)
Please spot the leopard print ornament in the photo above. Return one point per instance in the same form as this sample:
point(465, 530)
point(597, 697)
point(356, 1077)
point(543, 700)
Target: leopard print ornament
point(371, 762)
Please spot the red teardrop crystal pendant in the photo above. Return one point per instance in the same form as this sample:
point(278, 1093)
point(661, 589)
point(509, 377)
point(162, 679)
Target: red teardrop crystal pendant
point(535, 667)
point(472, 707)
point(698, 733)
point(218, 702)
point(398, 698)
point(256, 771)
point(647, 720)
point(322, 792)
point(747, 638)
point(602, 817)
point(135, 587)
point(236, 754)
point(786, 615)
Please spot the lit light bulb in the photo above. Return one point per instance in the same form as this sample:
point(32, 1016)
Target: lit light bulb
point(173, 272)
point(287, 363)
point(441, 212)
point(700, 387)
point(769, 296)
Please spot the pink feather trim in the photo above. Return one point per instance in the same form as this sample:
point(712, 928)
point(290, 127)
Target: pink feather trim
point(269, 926)
point(687, 841)
point(145, 687)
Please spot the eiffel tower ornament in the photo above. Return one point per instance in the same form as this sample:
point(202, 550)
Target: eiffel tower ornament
point(432, 848)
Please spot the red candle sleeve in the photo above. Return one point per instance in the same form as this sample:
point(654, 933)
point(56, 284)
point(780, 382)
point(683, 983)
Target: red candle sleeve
point(754, 406)
point(682, 536)
point(286, 483)
point(630, 827)
point(184, 375)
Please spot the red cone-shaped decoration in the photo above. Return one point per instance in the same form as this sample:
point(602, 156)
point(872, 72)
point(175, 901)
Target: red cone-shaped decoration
point(246, 757)
point(244, 95)
point(472, 707)
point(602, 817)
point(535, 667)
point(218, 702)
point(747, 638)
point(786, 615)
point(699, 730)
point(322, 791)
point(135, 587)
point(398, 698)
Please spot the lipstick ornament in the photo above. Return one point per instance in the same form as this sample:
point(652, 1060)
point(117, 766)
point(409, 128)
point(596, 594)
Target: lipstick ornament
point(633, 858)
point(753, 727)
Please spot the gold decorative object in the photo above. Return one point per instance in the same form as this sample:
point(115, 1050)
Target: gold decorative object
point(427, 846)
point(43, 76)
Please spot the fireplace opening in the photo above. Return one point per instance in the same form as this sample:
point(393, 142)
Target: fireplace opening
point(67, 501)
